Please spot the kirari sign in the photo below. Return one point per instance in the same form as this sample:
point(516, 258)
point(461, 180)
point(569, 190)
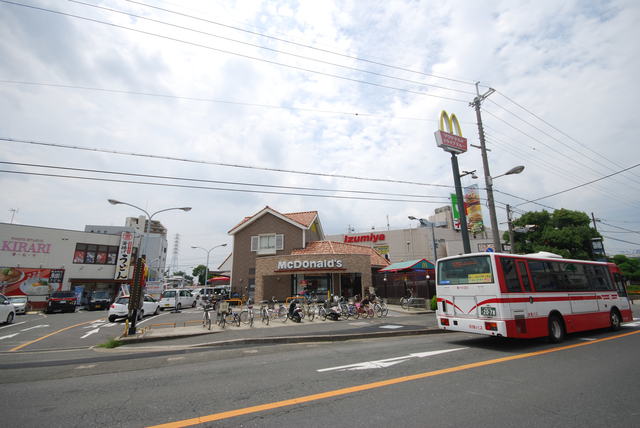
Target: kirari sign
point(26, 245)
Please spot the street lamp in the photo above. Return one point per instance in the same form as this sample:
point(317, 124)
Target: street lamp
point(492, 207)
point(206, 268)
point(427, 223)
point(134, 313)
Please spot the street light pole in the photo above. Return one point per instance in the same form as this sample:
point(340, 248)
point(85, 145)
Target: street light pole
point(133, 313)
point(425, 223)
point(206, 268)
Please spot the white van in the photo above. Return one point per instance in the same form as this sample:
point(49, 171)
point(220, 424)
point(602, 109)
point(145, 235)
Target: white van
point(177, 298)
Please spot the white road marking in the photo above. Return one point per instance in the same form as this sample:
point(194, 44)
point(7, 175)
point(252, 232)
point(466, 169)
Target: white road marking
point(175, 358)
point(36, 326)
point(378, 364)
point(13, 325)
point(88, 366)
point(391, 326)
point(251, 351)
point(587, 338)
point(632, 324)
point(89, 333)
point(9, 336)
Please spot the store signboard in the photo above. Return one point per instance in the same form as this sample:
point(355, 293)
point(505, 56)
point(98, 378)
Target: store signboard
point(454, 211)
point(124, 256)
point(310, 264)
point(17, 281)
point(473, 208)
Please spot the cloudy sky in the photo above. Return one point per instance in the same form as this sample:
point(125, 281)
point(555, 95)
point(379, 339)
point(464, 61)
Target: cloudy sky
point(318, 97)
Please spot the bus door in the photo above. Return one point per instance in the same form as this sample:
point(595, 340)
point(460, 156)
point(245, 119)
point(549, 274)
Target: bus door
point(518, 280)
point(623, 300)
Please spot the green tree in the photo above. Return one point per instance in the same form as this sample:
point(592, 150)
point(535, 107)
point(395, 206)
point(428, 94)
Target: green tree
point(630, 267)
point(199, 272)
point(563, 232)
point(182, 274)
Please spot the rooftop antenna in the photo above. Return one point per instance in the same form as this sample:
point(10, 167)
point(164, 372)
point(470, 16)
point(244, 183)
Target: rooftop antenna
point(13, 212)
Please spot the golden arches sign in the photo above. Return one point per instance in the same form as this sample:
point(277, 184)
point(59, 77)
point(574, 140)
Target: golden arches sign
point(449, 136)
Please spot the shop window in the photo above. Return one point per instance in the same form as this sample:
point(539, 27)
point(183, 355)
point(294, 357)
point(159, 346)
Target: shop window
point(101, 255)
point(112, 255)
point(267, 243)
point(78, 255)
point(90, 256)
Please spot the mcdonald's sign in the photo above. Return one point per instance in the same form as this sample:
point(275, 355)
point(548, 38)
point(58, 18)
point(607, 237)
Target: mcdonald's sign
point(451, 139)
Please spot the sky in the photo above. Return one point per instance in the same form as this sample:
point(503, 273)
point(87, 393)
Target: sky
point(218, 103)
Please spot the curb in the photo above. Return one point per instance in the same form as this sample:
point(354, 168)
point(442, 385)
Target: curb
point(289, 339)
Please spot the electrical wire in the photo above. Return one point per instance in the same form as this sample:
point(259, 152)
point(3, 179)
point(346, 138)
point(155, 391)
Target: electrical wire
point(466, 82)
point(582, 185)
point(213, 100)
point(111, 180)
point(373, 73)
point(235, 183)
point(174, 39)
point(582, 146)
point(205, 162)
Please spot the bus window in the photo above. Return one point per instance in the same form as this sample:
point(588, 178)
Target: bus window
point(467, 270)
point(510, 275)
point(543, 278)
point(622, 291)
point(524, 278)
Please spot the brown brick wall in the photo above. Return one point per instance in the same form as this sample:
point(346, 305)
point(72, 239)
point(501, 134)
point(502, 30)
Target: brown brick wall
point(244, 258)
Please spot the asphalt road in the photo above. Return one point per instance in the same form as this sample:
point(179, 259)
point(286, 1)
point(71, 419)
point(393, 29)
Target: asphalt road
point(443, 380)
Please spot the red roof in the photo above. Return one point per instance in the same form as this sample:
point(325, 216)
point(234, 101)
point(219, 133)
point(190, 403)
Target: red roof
point(304, 218)
point(332, 247)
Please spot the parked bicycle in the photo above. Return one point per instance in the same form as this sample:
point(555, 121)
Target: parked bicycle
point(246, 315)
point(208, 307)
point(407, 300)
point(227, 316)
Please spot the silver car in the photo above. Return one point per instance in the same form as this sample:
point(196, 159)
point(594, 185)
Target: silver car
point(19, 303)
point(7, 311)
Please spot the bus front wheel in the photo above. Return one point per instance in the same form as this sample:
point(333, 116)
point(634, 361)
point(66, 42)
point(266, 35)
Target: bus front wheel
point(556, 329)
point(615, 318)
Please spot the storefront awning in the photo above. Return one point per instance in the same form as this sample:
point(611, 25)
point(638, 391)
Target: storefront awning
point(420, 264)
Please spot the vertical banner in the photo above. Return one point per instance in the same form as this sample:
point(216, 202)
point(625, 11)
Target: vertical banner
point(124, 256)
point(454, 211)
point(473, 208)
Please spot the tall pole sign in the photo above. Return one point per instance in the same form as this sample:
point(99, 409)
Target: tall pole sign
point(449, 138)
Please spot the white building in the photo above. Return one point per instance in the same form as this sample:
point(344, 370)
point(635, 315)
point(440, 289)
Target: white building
point(34, 261)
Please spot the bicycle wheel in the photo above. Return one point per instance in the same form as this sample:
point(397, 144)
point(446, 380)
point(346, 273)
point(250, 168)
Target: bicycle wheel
point(312, 313)
point(244, 316)
point(322, 313)
point(236, 319)
point(385, 310)
point(251, 318)
point(404, 302)
point(222, 321)
point(370, 312)
point(377, 309)
point(282, 314)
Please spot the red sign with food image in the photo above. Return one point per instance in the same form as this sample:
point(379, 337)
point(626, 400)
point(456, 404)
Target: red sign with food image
point(31, 282)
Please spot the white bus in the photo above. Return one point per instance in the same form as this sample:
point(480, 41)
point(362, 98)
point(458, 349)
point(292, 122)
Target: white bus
point(528, 296)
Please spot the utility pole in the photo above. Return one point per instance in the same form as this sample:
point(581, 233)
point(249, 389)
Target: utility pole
point(596, 246)
point(512, 240)
point(466, 244)
point(477, 101)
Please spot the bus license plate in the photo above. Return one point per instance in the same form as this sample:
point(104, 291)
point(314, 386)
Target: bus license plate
point(488, 311)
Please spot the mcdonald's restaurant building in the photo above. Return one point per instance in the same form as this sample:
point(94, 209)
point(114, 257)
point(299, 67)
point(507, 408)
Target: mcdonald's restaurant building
point(281, 255)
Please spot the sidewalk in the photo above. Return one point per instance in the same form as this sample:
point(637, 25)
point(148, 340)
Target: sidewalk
point(400, 322)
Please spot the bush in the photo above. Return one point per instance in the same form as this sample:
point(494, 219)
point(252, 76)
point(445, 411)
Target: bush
point(434, 303)
point(111, 343)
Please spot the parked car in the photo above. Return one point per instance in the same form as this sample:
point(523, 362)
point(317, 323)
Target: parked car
point(207, 292)
point(177, 298)
point(222, 292)
point(7, 311)
point(98, 299)
point(63, 301)
point(120, 308)
point(19, 303)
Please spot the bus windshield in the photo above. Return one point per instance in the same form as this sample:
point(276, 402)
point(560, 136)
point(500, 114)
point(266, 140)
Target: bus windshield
point(467, 270)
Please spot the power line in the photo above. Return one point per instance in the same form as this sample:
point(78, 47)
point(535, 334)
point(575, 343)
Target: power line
point(556, 128)
point(220, 188)
point(148, 33)
point(214, 100)
point(620, 240)
point(172, 158)
point(270, 49)
point(235, 183)
point(582, 185)
point(301, 44)
point(618, 227)
point(586, 167)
